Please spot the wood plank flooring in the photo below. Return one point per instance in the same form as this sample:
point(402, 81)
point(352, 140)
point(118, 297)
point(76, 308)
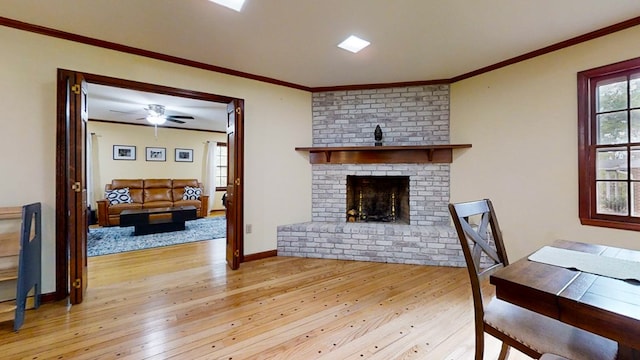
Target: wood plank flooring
point(181, 302)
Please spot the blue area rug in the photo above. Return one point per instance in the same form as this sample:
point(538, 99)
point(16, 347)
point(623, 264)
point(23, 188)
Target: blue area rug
point(115, 239)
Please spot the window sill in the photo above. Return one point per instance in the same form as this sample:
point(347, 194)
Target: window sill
point(610, 224)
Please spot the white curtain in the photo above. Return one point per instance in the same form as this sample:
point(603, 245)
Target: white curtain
point(92, 168)
point(209, 171)
point(89, 169)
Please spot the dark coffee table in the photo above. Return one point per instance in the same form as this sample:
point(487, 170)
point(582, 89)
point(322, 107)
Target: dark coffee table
point(151, 221)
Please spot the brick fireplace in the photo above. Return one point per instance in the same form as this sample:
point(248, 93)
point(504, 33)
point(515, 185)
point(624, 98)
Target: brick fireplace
point(417, 193)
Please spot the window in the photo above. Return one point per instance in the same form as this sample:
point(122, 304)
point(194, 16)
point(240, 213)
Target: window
point(221, 167)
point(609, 145)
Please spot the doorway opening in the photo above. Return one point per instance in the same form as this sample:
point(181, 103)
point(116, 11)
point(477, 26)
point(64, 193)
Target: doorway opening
point(71, 224)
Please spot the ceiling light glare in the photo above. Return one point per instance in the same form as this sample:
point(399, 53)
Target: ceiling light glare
point(231, 4)
point(156, 120)
point(354, 44)
point(155, 114)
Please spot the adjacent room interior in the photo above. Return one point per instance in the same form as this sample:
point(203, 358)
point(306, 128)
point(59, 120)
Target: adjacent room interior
point(190, 144)
point(360, 137)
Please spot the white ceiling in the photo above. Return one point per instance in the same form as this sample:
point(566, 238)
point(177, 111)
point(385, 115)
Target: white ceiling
point(295, 40)
point(128, 106)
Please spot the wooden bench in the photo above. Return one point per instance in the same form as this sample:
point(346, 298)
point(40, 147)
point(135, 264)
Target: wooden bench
point(20, 267)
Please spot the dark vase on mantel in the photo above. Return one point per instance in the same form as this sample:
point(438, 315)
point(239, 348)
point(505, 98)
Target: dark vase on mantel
point(377, 135)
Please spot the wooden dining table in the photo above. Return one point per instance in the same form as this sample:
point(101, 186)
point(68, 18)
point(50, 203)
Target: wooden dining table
point(599, 304)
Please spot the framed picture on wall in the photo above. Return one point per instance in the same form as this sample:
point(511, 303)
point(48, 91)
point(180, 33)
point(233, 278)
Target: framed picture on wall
point(184, 155)
point(124, 152)
point(156, 154)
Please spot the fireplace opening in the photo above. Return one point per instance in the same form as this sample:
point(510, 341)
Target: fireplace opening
point(378, 199)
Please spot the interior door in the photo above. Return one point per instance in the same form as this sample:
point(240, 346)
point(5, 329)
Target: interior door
point(76, 189)
point(235, 121)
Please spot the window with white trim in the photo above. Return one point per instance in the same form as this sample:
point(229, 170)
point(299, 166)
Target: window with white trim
point(221, 167)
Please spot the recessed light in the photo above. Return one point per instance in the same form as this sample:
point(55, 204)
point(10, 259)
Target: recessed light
point(354, 44)
point(231, 4)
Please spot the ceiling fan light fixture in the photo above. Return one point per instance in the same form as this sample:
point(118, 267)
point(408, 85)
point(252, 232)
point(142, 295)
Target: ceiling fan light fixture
point(156, 120)
point(231, 4)
point(155, 114)
point(353, 44)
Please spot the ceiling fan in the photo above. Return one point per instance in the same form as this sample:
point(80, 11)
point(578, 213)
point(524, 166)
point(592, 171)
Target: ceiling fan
point(156, 115)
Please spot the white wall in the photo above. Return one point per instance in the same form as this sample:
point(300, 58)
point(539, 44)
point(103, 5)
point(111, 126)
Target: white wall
point(522, 123)
point(277, 119)
point(520, 119)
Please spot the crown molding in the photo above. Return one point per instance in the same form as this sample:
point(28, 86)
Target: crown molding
point(136, 51)
point(177, 60)
point(551, 48)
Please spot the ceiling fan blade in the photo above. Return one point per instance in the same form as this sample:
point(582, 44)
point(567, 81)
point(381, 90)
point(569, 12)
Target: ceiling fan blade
point(180, 117)
point(127, 112)
point(169, 118)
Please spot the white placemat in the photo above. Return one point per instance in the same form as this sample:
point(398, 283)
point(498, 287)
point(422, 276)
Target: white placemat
point(591, 263)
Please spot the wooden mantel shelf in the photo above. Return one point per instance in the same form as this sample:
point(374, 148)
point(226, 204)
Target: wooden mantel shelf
point(382, 154)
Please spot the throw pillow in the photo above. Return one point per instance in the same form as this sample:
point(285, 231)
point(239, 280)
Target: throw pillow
point(119, 196)
point(191, 193)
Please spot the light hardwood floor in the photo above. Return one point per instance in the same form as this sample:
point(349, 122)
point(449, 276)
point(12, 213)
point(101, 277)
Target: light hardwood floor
point(182, 302)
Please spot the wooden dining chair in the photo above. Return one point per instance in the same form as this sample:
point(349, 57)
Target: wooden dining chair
point(528, 332)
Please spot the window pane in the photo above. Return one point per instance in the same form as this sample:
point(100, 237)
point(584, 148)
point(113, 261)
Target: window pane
point(611, 94)
point(635, 203)
point(635, 125)
point(221, 166)
point(634, 90)
point(611, 164)
point(612, 198)
point(635, 163)
point(612, 128)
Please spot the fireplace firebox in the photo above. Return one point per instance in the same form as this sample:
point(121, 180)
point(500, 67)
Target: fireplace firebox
point(378, 199)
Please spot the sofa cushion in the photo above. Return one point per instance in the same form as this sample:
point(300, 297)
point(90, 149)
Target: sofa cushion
point(123, 183)
point(195, 203)
point(157, 194)
point(117, 209)
point(178, 187)
point(181, 183)
point(191, 193)
point(136, 195)
point(157, 204)
point(118, 196)
point(134, 185)
point(157, 183)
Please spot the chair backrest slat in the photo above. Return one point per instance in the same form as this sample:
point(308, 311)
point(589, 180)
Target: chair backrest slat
point(464, 210)
point(478, 239)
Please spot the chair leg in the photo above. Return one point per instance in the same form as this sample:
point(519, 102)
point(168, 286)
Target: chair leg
point(479, 347)
point(504, 352)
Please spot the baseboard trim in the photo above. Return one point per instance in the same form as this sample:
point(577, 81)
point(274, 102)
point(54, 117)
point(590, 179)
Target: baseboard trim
point(261, 255)
point(49, 297)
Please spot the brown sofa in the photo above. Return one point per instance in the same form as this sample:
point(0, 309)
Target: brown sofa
point(149, 193)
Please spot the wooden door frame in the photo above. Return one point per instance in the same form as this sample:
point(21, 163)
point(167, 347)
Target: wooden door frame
point(62, 243)
point(235, 183)
point(72, 186)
